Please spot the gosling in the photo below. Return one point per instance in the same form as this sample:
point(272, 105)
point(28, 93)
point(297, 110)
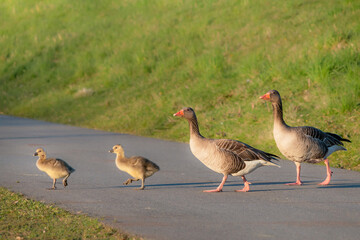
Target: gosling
point(138, 167)
point(54, 167)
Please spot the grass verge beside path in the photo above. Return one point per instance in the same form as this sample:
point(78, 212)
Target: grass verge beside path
point(127, 66)
point(23, 218)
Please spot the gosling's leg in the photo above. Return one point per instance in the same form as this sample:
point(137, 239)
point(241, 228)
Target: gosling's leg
point(53, 186)
point(130, 180)
point(142, 185)
point(65, 180)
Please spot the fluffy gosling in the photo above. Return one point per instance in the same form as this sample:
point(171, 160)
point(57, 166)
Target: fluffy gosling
point(54, 167)
point(138, 167)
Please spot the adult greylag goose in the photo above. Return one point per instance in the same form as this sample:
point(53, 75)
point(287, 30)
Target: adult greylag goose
point(225, 156)
point(302, 144)
point(54, 167)
point(136, 166)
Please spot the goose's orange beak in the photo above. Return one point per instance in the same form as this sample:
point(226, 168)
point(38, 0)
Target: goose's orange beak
point(179, 113)
point(266, 96)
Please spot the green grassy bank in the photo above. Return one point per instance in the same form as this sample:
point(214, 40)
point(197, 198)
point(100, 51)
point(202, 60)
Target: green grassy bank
point(22, 218)
point(127, 66)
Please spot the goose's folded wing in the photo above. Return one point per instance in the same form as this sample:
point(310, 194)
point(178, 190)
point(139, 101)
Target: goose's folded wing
point(243, 150)
point(329, 139)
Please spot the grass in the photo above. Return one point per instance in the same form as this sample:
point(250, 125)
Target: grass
point(127, 66)
point(23, 218)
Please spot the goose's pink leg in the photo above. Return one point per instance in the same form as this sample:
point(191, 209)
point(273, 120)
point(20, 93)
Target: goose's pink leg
point(329, 173)
point(246, 185)
point(219, 188)
point(298, 181)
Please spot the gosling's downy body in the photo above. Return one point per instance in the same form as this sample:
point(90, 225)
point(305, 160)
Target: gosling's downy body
point(136, 166)
point(54, 167)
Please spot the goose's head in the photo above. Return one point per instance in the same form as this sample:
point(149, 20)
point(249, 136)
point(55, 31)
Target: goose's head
point(187, 113)
point(272, 96)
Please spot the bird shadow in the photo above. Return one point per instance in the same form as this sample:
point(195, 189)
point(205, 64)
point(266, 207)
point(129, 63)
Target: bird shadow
point(342, 185)
point(216, 184)
point(282, 183)
point(163, 185)
point(171, 185)
point(228, 184)
point(315, 183)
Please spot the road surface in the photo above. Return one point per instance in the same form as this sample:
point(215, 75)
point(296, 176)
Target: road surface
point(173, 206)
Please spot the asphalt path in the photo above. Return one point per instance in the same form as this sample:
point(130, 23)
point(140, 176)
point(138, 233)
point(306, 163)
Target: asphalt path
point(173, 206)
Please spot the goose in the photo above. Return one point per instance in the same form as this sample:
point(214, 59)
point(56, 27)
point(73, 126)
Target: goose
point(302, 144)
point(225, 156)
point(54, 167)
point(136, 166)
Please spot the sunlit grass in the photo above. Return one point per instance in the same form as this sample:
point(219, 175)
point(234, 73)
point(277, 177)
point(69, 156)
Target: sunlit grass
point(144, 60)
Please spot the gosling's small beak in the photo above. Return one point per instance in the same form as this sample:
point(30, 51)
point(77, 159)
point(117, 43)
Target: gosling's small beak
point(35, 154)
point(111, 150)
point(179, 113)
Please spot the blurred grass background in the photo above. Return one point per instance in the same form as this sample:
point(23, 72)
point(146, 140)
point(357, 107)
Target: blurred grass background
point(127, 66)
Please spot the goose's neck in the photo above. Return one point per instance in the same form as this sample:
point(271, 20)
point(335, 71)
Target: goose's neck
point(278, 114)
point(194, 127)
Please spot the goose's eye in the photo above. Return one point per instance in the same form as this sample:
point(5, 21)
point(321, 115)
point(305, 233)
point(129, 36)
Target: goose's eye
point(115, 147)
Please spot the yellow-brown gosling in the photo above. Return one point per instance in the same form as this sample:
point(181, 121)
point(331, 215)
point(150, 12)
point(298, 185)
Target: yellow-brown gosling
point(136, 166)
point(54, 167)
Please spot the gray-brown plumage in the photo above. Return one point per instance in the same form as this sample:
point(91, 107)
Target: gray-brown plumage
point(302, 144)
point(54, 167)
point(225, 156)
point(138, 167)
